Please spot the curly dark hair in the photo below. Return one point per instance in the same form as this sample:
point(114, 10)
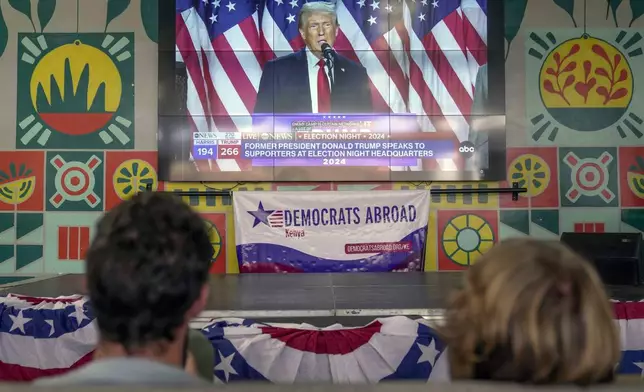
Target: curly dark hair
point(146, 267)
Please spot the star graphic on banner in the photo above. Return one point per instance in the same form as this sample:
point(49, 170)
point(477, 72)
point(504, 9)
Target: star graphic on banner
point(290, 18)
point(361, 3)
point(389, 8)
point(225, 365)
point(18, 322)
point(428, 353)
point(213, 18)
point(78, 314)
point(375, 5)
point(641, 366)
point(371, 20)
point(231, 6)
point(279, 2)
point(424, 2)
point(52, 330)
point(293, 3)
point(421, 16)
point(435, 3)
point(261, 215)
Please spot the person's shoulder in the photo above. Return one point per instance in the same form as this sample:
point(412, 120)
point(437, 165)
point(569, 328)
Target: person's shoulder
point(286, 60)
point(73, 377)
point(349, 64)
point(123, 371)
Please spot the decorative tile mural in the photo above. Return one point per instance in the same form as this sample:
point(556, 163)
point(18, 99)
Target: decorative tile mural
point(589, 220)
point(536, 169)
point(463, 236)
point(588, 177)
point(75, 91)
point(457, 201)
point(534, 223)
point(289, 186)
point(21, 242)
point(81, 136)
point(68, 237)
point(217, 230)
point(128, 173)
point(584, 89)
point(631, 179)
point(22, 180)
point(75, 181)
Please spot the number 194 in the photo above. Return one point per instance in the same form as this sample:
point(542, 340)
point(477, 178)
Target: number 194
point(205, 151)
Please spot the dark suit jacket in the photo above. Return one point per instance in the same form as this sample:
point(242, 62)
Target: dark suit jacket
point(284, 87)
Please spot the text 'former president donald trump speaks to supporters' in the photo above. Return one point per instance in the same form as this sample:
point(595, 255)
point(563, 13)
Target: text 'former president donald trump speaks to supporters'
point(300, 83)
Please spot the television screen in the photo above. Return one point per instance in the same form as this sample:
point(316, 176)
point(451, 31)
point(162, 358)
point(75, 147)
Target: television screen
point(345, 90)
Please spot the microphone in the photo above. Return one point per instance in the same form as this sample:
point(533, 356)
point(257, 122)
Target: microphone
point(327, 52)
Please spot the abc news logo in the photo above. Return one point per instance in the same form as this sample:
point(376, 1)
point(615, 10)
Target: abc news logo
point(466, 149)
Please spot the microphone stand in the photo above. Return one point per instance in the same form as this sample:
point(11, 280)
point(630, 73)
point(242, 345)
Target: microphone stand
point(329, 65)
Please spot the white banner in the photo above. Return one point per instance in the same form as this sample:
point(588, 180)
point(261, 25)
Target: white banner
point(331, 231)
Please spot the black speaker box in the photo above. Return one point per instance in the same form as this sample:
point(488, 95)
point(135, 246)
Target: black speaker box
point(617, 257)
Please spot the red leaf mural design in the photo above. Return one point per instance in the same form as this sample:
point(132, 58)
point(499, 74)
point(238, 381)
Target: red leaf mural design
point(582, 89)
point(622, 76)
point(620, 93)
point(573, 50)
point(603, 91)
point(588, 66)
point(547, 85)
point(601, 72)
point(570, 67)
point(598, 50)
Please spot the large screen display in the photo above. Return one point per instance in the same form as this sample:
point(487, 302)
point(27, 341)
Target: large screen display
point(350, 90)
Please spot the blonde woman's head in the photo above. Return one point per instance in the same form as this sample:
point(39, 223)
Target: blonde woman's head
point(535, 312)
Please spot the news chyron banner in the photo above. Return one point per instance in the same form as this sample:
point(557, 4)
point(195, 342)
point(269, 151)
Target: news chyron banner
point(331, 231)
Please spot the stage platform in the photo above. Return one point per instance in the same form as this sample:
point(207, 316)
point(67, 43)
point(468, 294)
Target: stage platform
point(318, 299)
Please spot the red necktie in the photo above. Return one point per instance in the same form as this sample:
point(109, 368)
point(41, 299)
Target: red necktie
point(324, 92)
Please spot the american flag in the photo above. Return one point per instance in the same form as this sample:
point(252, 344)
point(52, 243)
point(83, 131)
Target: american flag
point(630, 317)
point(422, 57)
point(276, 219)
point(386, 349)
point(42, 337)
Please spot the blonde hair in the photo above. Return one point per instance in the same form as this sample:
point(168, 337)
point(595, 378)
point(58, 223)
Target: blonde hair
point(323, 7)
point(535, 312)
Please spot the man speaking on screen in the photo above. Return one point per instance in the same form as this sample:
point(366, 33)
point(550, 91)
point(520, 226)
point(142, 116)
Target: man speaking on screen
point(315, 79)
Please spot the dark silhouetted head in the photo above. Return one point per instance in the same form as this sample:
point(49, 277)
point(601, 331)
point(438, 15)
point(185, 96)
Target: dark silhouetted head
point(147, 270)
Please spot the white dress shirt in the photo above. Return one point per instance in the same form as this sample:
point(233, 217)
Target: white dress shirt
point(312, 62)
